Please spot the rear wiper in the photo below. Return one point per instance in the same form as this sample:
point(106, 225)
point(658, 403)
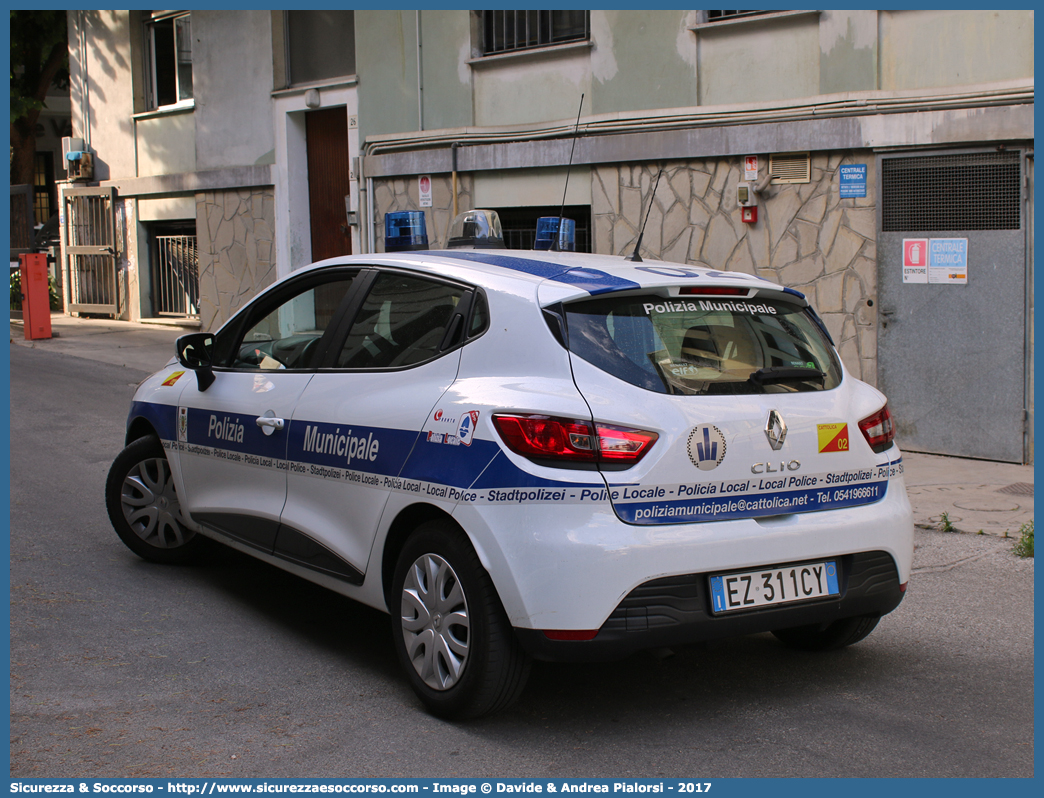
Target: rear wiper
point(775, 374)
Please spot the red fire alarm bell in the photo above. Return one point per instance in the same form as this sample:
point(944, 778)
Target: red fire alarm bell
point(749, 214)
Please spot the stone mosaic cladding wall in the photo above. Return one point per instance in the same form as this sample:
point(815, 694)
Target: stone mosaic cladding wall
point(806, 237)
point(404, 195)
point(236, 240)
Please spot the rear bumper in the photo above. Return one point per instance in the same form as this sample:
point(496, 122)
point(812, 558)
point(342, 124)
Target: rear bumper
point(569, 566)
point(676, 610)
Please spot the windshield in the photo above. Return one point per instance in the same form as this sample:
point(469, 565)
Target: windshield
point(703, 345)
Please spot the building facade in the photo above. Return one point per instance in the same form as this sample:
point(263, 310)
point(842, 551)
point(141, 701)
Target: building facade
point(267, 140)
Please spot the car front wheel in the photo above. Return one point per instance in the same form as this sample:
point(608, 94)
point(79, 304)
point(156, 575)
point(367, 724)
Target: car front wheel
point(827, 638)
point(143, 505)
point(451, 633)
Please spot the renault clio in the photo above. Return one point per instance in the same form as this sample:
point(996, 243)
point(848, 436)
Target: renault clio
point(530, 454)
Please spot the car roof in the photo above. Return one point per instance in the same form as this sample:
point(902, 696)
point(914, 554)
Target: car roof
point(575, 274)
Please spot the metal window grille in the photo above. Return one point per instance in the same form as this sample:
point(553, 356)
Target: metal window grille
point(974, 191)
point(21, 218)
point(177, 262)
point(43, 181)
point(519, 224)
point(507, 31)
point(715, 16)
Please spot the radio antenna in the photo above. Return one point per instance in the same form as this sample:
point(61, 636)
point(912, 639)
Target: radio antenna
point(634, 256)
point(558, 236)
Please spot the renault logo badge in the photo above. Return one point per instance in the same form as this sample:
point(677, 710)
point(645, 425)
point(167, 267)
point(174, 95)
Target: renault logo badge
point(776, 430)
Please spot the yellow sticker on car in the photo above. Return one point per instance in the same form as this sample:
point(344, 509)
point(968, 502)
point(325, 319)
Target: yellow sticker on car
point(173, 378)
point(833, 437)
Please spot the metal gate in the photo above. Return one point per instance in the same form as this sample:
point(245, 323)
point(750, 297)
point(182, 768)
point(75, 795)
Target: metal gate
point(952, 350)
point(177, 276)
point(21, 220)
point(90, 245)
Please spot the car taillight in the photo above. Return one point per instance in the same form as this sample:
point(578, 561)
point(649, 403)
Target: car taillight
point(878, 429)
point(548, 437)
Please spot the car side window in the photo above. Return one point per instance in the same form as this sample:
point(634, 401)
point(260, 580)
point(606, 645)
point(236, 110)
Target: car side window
point(479, 315)
point(403, 321)
point(287, 337)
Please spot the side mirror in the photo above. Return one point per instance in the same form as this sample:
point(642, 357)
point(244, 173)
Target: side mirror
point(194, 352)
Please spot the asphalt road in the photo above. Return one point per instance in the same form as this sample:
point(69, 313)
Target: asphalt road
point(233, 668)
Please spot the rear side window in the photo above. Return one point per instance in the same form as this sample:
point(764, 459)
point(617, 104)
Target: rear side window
point(703, 346)
point(479, 315)
point(404, 321)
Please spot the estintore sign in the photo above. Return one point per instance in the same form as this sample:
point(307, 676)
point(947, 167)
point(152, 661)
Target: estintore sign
point(935, 260)
point(750, 167)
point(424, 184)
point(915, 260)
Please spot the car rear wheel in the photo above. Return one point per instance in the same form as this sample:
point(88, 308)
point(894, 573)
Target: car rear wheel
point(832, 636)
point(451, 633)
point(143, 505)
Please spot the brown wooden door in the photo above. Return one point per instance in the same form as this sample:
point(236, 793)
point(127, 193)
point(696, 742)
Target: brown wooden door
point(328, 181)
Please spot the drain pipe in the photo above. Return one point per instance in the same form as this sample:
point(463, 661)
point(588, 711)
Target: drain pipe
point(364, 211)
point(420, 77)
point(85, 94)
point(453, 151)
point(371, 244)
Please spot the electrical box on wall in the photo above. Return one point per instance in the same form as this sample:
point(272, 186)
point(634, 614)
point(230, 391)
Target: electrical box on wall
point(80, 165)
point(748, 203)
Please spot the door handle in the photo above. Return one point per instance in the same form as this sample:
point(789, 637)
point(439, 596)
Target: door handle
point(269, 423)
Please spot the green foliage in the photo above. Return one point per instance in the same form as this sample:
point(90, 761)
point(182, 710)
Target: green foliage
point(945, 525)
point(55, 299)
point(38, 40)
point(1024, 546)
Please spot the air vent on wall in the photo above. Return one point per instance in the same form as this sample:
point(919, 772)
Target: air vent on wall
point(959, 191)
point(793, 167)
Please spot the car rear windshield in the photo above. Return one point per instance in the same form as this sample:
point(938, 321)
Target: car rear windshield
point(708, 345)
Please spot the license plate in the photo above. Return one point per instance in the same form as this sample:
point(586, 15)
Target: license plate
point(770, 586)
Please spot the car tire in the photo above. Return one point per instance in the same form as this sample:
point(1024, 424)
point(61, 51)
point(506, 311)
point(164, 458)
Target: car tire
point(143, 505)
point(827, 638)
point(451, 633)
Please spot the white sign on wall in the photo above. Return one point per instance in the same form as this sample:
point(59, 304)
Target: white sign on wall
point(948, 260)
point(750, 167)
point(424, 185)
point(935, 260)
point(915, 260)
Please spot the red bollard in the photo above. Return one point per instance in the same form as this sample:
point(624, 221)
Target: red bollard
point(36, 299)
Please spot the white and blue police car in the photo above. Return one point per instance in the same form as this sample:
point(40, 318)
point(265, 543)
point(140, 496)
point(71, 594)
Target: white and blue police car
point(529, 454)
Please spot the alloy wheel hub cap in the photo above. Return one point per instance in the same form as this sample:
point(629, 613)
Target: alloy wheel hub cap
point(435, 622)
